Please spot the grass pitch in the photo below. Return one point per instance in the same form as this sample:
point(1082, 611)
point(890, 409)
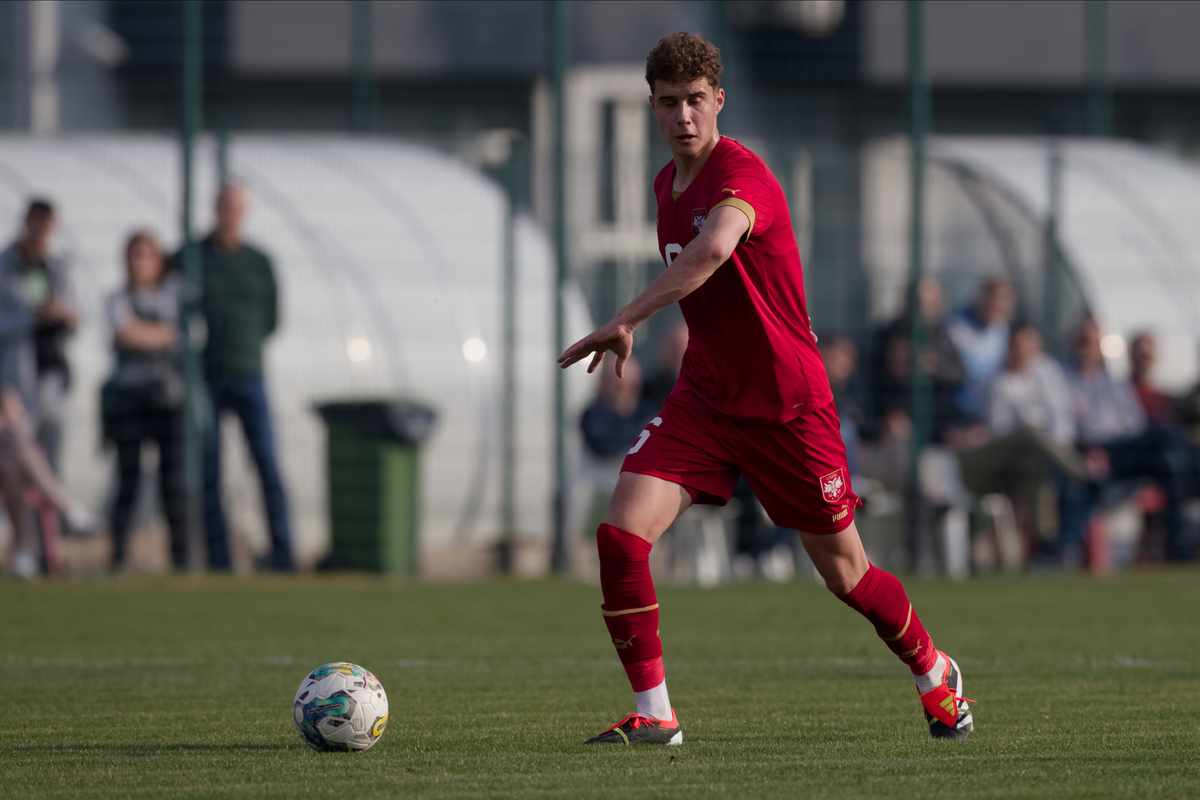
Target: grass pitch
point(182, 687)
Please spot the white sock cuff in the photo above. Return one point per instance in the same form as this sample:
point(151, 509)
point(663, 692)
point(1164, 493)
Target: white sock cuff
point(654, 703)
point(932, 678)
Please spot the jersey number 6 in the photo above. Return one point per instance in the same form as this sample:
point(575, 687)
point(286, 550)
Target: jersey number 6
point(644, 435)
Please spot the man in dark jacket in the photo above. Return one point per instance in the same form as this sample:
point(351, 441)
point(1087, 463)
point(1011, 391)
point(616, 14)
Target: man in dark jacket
point(241, 309)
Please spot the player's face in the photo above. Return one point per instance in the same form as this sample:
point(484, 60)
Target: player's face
point(231, 209)
point(687, 114)
point(38, 228)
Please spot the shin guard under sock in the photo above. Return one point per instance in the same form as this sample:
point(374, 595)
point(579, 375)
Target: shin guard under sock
point(630, 607)
point(881, 599)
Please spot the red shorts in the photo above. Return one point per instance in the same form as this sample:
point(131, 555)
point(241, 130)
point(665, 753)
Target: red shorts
point(797, 469)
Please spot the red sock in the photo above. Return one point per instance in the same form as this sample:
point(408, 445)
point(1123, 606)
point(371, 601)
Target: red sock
point(880, 598)
point(630, 608)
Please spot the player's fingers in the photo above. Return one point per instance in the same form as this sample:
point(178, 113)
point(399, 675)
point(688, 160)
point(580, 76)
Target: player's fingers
point(596, 359)
point(620, 365)
point(568, 353)
point(574, 353)
point(575, 358)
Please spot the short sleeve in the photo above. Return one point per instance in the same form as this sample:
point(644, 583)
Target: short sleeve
point(120, 311)
point(745, 187)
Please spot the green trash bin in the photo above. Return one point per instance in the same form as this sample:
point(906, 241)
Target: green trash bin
point(374, 482)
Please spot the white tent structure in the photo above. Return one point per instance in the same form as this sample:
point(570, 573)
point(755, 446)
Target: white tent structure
point(1127, 228)
point(389, 259)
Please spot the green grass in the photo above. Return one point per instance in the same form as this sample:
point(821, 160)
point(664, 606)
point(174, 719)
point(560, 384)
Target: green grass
point(183, 688)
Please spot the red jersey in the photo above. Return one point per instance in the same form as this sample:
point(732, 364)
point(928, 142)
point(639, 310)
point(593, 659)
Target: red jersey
point(750, 354)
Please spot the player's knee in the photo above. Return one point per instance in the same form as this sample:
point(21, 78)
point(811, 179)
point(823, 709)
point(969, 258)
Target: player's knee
point(840, 571)
point(840, 582)
point(639, 525)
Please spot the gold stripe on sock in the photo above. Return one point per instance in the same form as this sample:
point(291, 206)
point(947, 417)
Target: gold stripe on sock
point(635, 611)
point(903, 630)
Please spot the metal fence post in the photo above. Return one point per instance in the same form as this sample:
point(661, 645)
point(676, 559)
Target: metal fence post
point(1099, 93)
point(365, 91)
point(510, 179)
point(919, 109)
point(192, 101)
point(1053, 297)
point(560, 43)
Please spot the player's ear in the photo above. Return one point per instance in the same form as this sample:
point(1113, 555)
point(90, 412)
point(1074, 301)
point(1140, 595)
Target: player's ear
point(720, 98)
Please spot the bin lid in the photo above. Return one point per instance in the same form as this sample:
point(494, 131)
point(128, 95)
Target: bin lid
point(401, 421)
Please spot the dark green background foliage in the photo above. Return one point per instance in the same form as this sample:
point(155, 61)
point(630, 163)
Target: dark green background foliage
point(183, 688)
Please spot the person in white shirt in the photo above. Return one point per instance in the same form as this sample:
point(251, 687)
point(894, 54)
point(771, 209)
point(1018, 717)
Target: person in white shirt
point(1030, 392)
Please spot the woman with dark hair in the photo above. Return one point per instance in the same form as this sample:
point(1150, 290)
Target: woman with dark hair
point(143, 400)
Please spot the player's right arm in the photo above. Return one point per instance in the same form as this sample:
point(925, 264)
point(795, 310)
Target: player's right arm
point(722, 232)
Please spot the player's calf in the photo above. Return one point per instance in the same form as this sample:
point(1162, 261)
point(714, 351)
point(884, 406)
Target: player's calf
point(881, 598)
point(631, 614)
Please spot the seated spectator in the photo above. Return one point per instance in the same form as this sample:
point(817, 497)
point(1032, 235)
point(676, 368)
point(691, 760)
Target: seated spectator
point(1157, 405)
point(841, 360)
point(1029, 392)
point(892, 378)
point(981, 336)
point(613, 421)
point(1187, 413)
point(671, 348)
point(611, 425)
point(144, 398)
point(1121, 444)
point(1027, 410)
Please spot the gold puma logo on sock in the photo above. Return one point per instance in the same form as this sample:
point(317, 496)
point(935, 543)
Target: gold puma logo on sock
point(624, 644)
point(913, 652)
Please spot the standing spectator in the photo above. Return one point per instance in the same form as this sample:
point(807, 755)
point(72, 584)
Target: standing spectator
point(1120, 442)
point(144, 399)
point(36, 316)
point(1143, 352)
point(240, 304)
point(981, 335)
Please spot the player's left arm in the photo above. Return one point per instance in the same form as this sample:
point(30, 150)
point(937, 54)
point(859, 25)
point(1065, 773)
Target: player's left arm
point(723, 230)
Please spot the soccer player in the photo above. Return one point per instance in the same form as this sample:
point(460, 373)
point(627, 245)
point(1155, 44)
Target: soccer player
point(752, 398)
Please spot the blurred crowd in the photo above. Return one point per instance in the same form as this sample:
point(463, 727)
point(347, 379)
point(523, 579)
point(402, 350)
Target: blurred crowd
point(1031, 457)
point(145, 405)
point(1030, 460)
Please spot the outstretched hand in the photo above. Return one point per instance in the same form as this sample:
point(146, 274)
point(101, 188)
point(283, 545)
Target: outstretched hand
point(614, 336)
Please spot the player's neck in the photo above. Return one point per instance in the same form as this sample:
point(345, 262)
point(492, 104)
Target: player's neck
point(688, 167)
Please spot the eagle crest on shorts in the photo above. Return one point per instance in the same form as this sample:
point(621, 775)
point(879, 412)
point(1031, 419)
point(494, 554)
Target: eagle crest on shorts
point(833, 486)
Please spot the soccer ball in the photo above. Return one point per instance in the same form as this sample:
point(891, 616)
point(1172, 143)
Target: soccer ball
point(340, 707)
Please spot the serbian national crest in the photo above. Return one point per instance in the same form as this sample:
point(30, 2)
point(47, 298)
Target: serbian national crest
point(698, 217)
point(833, 486)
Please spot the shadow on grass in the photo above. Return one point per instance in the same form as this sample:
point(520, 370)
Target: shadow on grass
point(152, 749)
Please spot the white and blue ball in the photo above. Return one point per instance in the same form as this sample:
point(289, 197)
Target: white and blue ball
point(340, 707)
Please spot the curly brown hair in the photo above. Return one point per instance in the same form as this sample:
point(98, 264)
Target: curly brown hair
point(682, 57)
